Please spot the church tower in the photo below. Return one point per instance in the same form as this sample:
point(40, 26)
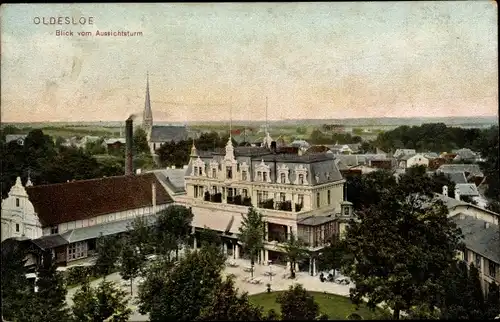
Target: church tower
point(147, 118)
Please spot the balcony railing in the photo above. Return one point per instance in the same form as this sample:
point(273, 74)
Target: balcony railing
point(267, 204)
point(239, 200)
point(284, 205)
point(216, 197)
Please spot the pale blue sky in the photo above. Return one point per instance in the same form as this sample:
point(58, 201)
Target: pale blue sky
point(313, 60)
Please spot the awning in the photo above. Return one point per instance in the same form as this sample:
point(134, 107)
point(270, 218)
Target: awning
point(111, 228)
point(211, 219)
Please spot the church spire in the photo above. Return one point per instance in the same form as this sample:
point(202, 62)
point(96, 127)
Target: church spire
point(194, 152)
point(148, 114)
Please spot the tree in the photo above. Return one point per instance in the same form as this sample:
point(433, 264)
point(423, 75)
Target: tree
point(173, 228)
point(140, 234)
point(453, 304)
point(252, 234)
point(50, 299)
point(132, 261)
point(226, 305)
point(272, 315)
point(333, 255)
point(366, 190)
point(492, 302)
point(16, 291)
point(186, 289)
point(297, 304)
point(210, 237)
point(140, 141)
point(401, 248)
point(474, 294)
point(106, 301)
point(294, 252)
point(494, 206)
point(108, 253)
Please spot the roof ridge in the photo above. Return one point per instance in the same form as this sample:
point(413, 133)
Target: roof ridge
point(86, 180)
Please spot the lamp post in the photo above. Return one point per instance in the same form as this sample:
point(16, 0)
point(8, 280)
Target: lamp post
point(270, 270)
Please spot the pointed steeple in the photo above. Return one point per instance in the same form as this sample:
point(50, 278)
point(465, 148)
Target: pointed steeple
point(147, 119)
point(194, 152)
point(29, 183)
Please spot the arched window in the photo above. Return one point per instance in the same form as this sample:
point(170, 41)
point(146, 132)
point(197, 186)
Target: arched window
point(301, 179)
point(283, 177)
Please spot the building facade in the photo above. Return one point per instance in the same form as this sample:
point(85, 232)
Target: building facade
point(299, 194)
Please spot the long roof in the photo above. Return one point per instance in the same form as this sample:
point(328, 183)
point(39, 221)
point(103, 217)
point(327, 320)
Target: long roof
point(78, 200)
point(478, 237)
point(168, 133)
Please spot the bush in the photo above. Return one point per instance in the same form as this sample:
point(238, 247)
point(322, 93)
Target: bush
point(354, 316)
point(78, 274)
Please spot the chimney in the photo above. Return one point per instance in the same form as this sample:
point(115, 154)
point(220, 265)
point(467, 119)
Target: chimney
point(153, 193)
point(129, 137)
point(273, 146)
point(138, 171)
point(445, 191)
point(457, 193)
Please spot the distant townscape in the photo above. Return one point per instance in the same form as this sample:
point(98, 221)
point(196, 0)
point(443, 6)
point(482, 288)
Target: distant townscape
point(407, 213)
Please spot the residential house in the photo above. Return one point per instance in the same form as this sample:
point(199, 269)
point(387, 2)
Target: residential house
point(467, 190)
point(114, 144)
point(417, 160)
point(317, 149)
point(387, 164)
point(449, 157)
point(472, 172)
point(19, 138)
point(71, 216)
point(401, 152)
point(456, 177)
point(481, 236)
point(435, 163)
point(464, 155)
point(346, 148)
point(299, 194)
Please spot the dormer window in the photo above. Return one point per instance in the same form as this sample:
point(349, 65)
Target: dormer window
point(17, 228)
point(259, 176)
point(17, 202)
point(54, 230)
point(195, 170)
point(283, 178)
point(264, 176)
point(229, 172)
point(200, 171)
point(301, 179)
point(244, 175)
point(214, 173)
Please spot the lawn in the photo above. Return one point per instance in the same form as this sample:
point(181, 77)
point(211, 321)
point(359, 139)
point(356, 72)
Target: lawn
point(337, 307)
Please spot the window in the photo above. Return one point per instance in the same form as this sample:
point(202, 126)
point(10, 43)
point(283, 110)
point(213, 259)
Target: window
point(229, 192)
point(259, 176)
point(478, 261)
point(214, 173)
point(346, 211)
point(492, 269)
point(200, 172)
point(318, 199)
point(259, 197)
point(77, 250)
point(264, 176)
point(214, 189)
point(282, 196)
point(301, 179)
point(244, 175)
point(245, 193)
point(196, 191)
point(329, 197)
point(466, 255)
point(229, 172)
point(300, 199)
point(54, 230)
point(195, 170)
point(282, 178)
point(17, 228)
point(17, 202)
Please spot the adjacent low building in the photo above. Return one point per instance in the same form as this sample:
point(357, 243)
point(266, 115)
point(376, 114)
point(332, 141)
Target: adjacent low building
point(67, 218)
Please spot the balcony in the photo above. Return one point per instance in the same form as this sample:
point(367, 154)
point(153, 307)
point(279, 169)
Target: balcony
point(266, 204)
point(239, 201)
point(216, 197)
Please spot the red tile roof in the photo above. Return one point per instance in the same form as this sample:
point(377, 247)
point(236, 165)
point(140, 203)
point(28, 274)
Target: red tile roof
point(83, 199)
